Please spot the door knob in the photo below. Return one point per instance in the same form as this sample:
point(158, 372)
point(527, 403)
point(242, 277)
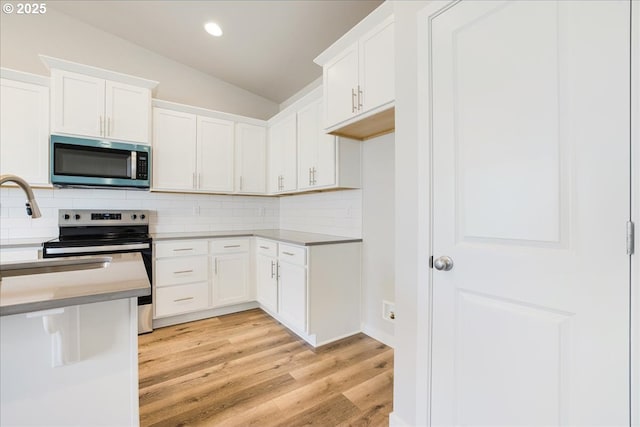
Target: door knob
point(444, 263)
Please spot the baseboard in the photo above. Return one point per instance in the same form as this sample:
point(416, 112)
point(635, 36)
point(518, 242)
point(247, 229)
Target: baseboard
point(199, 315)
point(378, 335)
point(396, 421)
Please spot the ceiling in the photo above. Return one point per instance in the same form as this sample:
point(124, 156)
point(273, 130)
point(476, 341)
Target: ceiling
point(267, 48)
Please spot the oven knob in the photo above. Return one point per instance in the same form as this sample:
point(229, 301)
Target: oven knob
point(77, 216)
point(143, 216)
point(134, 216)
point(67, 216)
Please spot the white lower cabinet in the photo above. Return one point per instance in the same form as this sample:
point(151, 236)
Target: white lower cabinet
point(181, 276)
point(201, 274)
point(230, 281)
point(179, 299)
point(292, 306)
point(312, 290)
point(266, 274)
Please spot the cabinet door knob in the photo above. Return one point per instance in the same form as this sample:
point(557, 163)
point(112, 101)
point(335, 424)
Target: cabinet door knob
point(354, 107)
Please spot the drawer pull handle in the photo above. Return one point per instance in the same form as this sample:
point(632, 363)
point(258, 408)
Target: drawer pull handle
point(183, 271)
point(182, 299)
point(288, 253)
point(231, 246)
point(182, 249)
point(264, 247)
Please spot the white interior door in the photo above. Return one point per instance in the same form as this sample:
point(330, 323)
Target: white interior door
point(530, 114)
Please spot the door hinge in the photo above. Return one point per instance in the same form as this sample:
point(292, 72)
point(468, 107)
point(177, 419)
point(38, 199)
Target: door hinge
point(431, 261)
point(630, 237)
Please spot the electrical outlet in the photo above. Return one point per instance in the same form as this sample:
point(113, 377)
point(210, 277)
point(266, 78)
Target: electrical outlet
point(388, 311)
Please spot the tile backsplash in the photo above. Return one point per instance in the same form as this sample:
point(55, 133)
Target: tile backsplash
point(332, 212)
point(169, 212)
point(335, 212)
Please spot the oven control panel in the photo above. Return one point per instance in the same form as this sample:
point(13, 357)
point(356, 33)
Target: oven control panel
point(103, 217)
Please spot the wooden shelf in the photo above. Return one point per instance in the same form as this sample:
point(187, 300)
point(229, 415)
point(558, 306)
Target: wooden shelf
point(369, 127)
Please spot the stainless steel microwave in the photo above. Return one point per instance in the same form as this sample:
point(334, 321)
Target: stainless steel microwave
point(79, 162)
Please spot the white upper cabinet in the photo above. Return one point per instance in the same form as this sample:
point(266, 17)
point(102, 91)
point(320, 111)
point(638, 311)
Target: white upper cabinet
point(376, 67)
point(359, 78)
point(204, 151)
point(191, 152)
point(24, 130)
point(282, 155)
point(324, 161)
point(215, 155)
point(341, 86)
point(97, 103)
point(251, 159)
point(316, 150)
point(174, 150)
point(90, 106)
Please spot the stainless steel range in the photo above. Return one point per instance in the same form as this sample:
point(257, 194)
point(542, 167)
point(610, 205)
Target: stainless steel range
point(93, 232)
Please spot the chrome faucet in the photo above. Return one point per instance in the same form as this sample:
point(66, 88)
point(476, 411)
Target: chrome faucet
point(32, 207)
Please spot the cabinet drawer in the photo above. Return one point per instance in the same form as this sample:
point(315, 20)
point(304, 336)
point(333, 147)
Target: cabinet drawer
point(266, 247)
point(227, 246)
point(174, 271)
point(293, 254)
point(181, 299)
point(181, 248)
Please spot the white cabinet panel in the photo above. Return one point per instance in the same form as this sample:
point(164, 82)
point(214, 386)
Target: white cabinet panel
point(251, 158)
point(174, 271)
point(231, 279)
point(282, 155)
point(267, 282)
point(292, 307)
point(24, 131)
point(174, 150)
point(376, 71)
point(341, 86)
point(180, 299)
point(127, 112)
point(215, 154)
point(91, 106)
point(181, 248)
point(77, 104)
point(316, 150)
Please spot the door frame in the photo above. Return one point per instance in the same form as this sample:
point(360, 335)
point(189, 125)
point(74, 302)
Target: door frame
point(425, 159)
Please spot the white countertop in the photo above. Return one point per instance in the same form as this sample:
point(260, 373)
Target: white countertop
point(289, 236)
point(124, 277)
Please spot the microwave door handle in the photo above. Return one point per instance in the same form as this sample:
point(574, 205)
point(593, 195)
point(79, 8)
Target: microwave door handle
point(134, 165)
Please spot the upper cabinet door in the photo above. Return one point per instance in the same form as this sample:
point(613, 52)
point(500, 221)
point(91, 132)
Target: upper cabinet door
point(24, 131)
point(282, 155)
point(308, 136)
point(77, 104)
point(377, 76)
point(215, 154)
point(251, 159)
point(174, 150)
point(94, 107)
point(127, 112)
point(316, 150)
point(340, 77)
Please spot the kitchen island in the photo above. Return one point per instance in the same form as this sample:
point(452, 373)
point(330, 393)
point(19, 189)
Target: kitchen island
point(68, 344)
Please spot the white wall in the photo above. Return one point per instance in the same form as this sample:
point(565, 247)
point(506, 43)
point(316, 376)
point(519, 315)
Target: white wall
point(378, 234)
point(170, 212)
point(332, 212)
point(55, 34)
point(412, 232)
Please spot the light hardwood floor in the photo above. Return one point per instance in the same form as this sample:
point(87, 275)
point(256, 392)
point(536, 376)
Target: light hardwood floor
point(246, 369)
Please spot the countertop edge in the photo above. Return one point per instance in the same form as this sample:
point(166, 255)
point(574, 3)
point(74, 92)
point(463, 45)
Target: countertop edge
point(331, 240)
point(30, 307)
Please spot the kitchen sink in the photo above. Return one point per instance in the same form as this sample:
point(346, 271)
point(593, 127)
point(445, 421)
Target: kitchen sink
point(52, 266)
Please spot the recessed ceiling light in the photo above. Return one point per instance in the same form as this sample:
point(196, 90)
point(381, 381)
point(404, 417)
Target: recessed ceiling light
point(213, 29)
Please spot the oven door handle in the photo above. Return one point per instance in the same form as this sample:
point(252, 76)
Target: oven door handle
point(105, 248)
